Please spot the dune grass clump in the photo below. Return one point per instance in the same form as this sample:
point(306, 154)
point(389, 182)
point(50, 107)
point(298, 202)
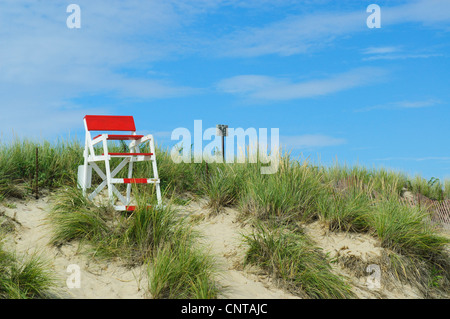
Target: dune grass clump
point(405, 229)
point(147, 229)
point(223, 187)
point(25, 277)
point(418, 252)
point(291, 257)
point(431, 279)
point(132, 235)
point(290, 194)
point(346, 211)
point(177, 267)
point(178, 178)
point(432, 188)
point(74, 217)
point(181, 270)
point(380, 180)
point(447, 189)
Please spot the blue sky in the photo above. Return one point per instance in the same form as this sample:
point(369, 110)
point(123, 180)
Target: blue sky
point(335, 88)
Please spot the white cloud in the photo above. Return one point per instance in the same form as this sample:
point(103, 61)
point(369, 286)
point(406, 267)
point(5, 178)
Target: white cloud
point(402, 56)
point(396, 53)
point(310, 141)
point(402, 105)
point(270, 88)
point(380, 50)
point(427, 12)
point(299, 34)
point(294, 35)
point(417, 104)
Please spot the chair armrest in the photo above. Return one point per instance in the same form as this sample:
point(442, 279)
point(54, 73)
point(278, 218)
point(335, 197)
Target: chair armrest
point(112, 137)
point(99, 138)
point(141, 140)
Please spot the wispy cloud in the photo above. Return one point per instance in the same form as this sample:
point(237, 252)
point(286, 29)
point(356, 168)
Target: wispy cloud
point(294, 35)
point(381, 50)
point(432, 13)
point(298, 34)
point(402, 105)
point(310, 141)
point(403, 56)
point(271, 88)
point(395, 53)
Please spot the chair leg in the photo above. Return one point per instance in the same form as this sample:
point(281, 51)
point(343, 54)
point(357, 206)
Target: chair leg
point(130, 175)
point(155, 171)
point(108, 173)
point(108, 181)
point(85, 168)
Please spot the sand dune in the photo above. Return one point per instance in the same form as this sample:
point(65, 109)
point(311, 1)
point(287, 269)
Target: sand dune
point(221, 235)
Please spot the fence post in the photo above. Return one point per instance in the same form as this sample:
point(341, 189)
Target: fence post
point(37, 173)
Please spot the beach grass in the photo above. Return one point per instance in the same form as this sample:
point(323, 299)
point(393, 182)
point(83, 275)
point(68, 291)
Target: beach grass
point(293, 258)
point(405, 229)
point(346, 198)
point(181, 270)
point(25, 277)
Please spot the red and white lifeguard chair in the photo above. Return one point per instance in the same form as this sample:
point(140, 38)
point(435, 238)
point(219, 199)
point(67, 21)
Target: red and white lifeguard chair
point(108, 123)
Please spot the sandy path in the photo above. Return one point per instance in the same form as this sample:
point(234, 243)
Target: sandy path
point(97, 279)
point(222, 233)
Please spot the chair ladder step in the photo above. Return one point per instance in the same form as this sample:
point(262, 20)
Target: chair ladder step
point(129, 154)
point(134, 180)
point(128, 208)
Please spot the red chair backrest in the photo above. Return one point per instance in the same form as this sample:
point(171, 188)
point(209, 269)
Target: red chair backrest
point(109, 123)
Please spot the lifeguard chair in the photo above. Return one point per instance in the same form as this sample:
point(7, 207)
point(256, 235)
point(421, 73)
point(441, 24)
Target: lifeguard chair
point(108, 123)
